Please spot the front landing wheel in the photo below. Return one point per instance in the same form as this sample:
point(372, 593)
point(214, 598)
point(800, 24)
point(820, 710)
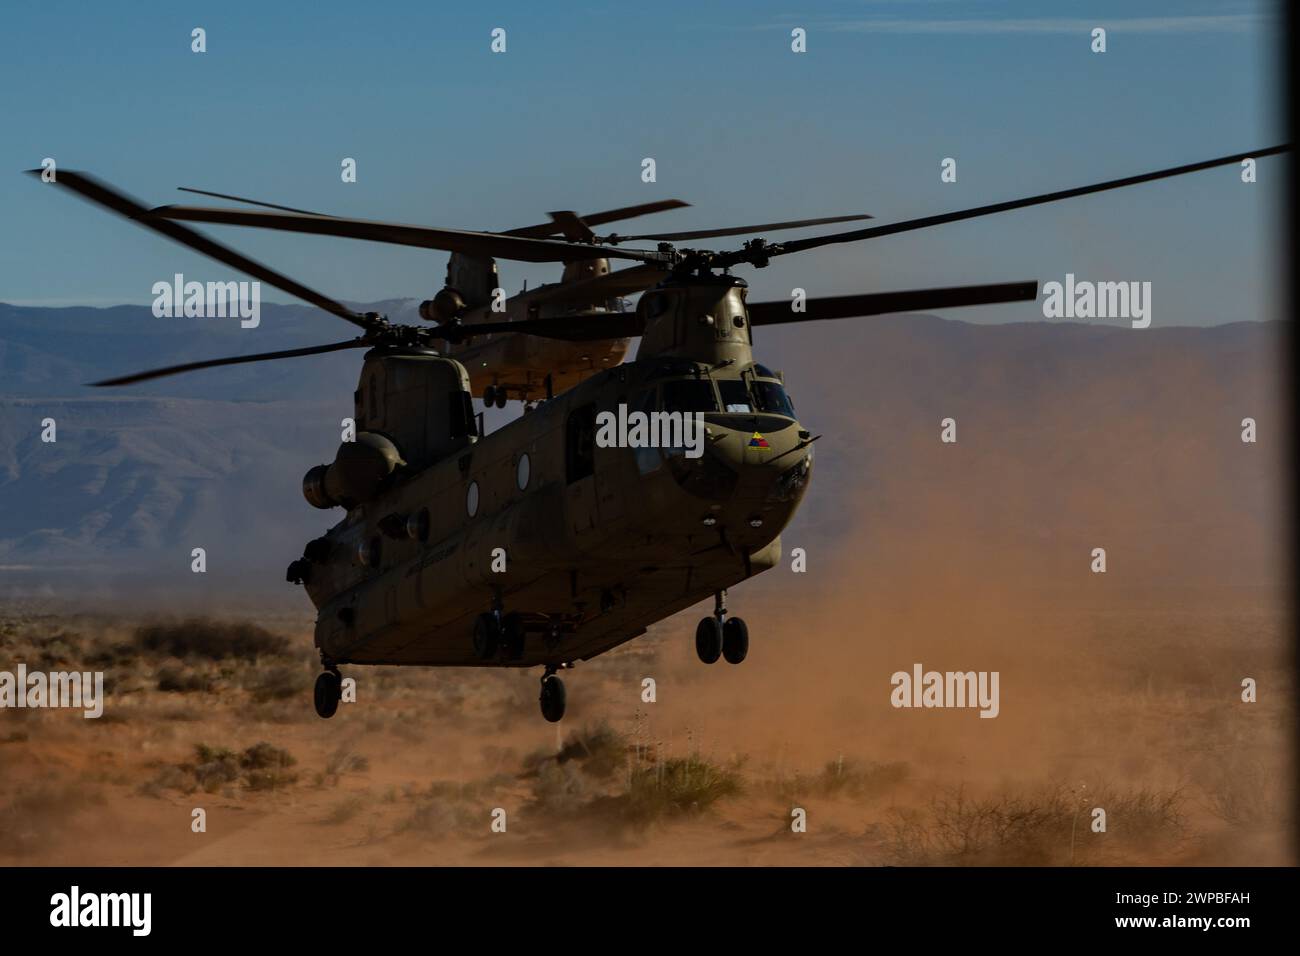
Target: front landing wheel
point(329, 689)
point(708, 639)
point(553, 698)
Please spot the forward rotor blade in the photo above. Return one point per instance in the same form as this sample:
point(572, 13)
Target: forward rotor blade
point(233, 360)
point(735, 230)
point(799, 245)
point(251, 202)
point(102, 194)
point(552, 228)
point(594, 326)
point(879, 303)
point(487, 244)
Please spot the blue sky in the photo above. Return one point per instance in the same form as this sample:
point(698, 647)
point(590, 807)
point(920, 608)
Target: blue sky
point(447, 133)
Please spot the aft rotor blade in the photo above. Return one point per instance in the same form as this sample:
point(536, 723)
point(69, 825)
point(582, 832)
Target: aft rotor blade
point(799, 245)
point(592, 290)
point(487, 244)
point(577, 327)
point(736, 230)
point(251, 202)
point(233, 360)
point(553, 227)
point(879, 303)
point(102, 194)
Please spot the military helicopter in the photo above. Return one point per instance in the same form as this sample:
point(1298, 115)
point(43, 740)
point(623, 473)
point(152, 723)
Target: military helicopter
point(539, 544)
point(502, 366)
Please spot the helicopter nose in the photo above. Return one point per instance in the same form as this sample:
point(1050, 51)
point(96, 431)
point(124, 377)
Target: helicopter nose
point(772, 464)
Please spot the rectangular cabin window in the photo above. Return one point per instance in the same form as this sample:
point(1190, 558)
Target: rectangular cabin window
point(580, 443)
point(688, 395)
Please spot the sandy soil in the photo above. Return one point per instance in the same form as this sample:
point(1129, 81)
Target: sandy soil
point(1127, 703)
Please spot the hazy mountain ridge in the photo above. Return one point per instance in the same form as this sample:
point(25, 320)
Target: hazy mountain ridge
point(1066, 434)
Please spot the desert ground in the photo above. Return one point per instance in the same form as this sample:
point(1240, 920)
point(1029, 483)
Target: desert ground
point(1127, 703)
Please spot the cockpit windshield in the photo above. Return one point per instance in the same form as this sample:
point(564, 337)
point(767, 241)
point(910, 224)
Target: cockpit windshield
point(771, 397)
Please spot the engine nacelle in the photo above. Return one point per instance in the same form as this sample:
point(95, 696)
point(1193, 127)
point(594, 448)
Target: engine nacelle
point(358, 473)
point(443, 307)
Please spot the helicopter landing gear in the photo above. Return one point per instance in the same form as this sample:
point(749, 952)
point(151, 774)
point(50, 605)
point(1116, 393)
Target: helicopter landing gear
point(328, 693)
point(708, 639)
point(552, 697)
point(512, 636)
point(721, 636)
point(487, 635)
point(735, 640)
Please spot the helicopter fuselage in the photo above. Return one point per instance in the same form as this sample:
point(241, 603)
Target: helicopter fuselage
point(589, 542)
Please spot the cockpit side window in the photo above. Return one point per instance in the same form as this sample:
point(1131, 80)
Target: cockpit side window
point(688, 395)
point(735, 396)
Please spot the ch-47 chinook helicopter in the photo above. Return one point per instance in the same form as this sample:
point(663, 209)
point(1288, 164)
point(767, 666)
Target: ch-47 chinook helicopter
point(538, 545)
point(504, 365)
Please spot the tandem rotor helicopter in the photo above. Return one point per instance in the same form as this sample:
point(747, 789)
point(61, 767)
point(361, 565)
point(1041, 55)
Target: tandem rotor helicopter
point(598, 542)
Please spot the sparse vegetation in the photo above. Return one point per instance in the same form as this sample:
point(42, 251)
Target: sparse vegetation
point(211, 640)
point(599, 785)
point(1051, 826)
point(260, 767)
point(842, 777)
point(1245, 794)
point(679, 786)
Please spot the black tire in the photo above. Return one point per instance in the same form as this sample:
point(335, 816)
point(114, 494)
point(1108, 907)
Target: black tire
point(329, 689)
point(708, 639)
point(512, 636)
point(735, 640)
point(501, 397)
point(489, 396)
point(487, 636)
point(553, 699)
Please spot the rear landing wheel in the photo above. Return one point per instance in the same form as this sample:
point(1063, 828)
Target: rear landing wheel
point(735, 640)
point(329, 689)
point(553, 698)
point(487, 636)
point(501, 397)
point(708, 639)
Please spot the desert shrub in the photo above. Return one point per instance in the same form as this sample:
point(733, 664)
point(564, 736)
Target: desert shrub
point(345, 810)
point(675, 787)
point(266, 767)
point(1245, 793)
point(174, 677)
point(842, 778)
point(263, 756)
point(1048, 826)
point(599, 751)
point(561, 788)
point(343, 761)
point(210, 640)
point(260, 767)
point(280, 682)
